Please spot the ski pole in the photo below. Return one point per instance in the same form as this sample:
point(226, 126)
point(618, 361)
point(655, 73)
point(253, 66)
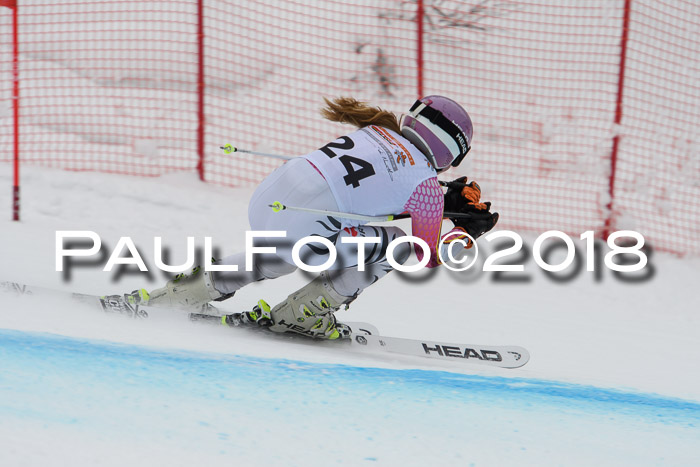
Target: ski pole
point(228, 149)
point(277, 207)
point(452, 184)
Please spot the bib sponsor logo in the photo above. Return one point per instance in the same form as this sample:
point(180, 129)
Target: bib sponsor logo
point(400, 157)
point(399, 150)
point(388, 169)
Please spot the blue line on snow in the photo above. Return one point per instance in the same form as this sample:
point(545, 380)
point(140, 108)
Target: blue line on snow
point(93, 363)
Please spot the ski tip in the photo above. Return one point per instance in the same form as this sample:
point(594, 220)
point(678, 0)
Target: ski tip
point(515, 357)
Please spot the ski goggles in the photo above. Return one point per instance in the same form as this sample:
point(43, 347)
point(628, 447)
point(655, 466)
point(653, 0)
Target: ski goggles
point(448, 132)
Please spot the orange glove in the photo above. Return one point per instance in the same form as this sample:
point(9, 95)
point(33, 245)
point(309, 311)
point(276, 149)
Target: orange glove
point(465, 198)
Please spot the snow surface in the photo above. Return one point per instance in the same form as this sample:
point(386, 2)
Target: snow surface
point(613, 377)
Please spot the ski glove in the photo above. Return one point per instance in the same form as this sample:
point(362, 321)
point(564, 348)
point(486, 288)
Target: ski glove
point(465, 198)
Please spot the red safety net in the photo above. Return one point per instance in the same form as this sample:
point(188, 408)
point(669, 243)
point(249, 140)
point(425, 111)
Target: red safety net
point(129, 87)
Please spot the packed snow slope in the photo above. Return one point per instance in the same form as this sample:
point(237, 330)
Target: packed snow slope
point(77, 402)
point(612, 378)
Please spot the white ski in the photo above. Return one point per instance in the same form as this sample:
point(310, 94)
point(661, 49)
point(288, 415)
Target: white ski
point(501, 356)
point(364, 336)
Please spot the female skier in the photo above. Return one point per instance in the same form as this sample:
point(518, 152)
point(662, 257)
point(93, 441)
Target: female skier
point(384, 167)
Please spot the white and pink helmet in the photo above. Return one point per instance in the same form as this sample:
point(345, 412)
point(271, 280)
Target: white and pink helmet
point(441, 129)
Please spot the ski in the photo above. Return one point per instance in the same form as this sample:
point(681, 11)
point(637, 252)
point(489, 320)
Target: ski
point(500, 356)
point(105, 303)
point(364, 336)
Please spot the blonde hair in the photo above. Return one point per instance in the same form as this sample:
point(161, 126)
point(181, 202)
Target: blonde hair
point(357, 113)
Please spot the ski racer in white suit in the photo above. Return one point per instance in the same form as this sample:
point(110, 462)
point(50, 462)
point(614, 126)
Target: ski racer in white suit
point(385, 167)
